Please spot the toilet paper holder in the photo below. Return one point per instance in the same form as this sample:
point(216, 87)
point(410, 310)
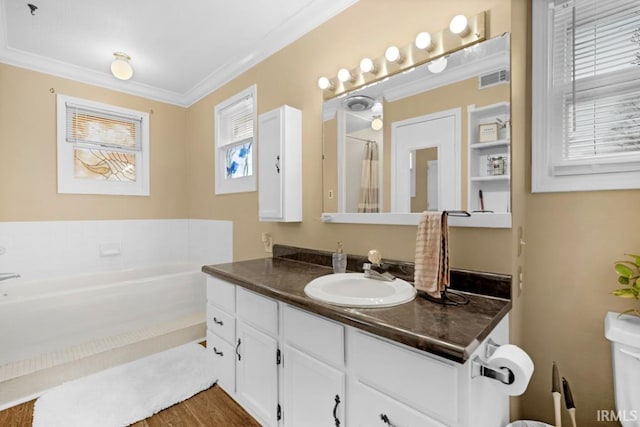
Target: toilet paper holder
point(480, 368)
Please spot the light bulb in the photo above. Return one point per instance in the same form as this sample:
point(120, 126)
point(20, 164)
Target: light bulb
point(392, 54)
point(438, 65)
point(376, 123)
point(423, 41)
point(459, 25)
point(367, 66)
point(345, 75)
point(324, 83)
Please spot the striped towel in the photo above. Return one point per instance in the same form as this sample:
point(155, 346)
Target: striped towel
point(432, 254)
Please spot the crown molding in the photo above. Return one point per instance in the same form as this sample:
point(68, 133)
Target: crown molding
point(295, 27)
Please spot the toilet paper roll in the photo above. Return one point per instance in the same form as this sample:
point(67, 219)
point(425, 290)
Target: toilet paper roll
point(514, 358)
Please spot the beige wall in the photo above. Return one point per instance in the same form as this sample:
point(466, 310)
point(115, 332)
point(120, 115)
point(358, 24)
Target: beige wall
point(28, 183)
point(289, 77)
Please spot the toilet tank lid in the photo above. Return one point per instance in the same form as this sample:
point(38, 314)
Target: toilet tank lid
point(624, 329)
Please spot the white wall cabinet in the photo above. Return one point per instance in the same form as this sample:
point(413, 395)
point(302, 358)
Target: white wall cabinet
point(313, 383)
point(280, 165)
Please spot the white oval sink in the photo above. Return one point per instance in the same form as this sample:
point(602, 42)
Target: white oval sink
point(355, 290)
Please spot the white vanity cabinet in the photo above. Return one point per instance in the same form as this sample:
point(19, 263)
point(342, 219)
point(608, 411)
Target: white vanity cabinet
point(257, 355)
point(280, 165)
point(290, 368)
point(242, 339)
point(313, 370)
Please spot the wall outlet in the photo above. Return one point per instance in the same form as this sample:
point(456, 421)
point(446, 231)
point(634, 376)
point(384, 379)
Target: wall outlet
point(267, 241)
point(520, 280)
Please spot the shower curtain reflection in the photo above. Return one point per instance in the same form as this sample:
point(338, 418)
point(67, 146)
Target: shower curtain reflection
point(369, 179)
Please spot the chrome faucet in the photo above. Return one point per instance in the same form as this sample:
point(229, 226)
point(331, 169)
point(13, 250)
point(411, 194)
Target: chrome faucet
point(374, 269)
point(7, 276)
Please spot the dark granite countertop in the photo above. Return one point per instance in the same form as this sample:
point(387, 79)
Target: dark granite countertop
point(453, 332)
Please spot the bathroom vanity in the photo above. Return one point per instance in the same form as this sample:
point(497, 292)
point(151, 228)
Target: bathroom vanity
point(291, 361)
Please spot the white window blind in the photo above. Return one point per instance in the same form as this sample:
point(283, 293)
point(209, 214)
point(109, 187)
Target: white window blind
point(90, 127)
point(236, 122)
point(595, 86)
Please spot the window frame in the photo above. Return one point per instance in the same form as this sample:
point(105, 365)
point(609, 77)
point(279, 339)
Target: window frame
point(242, 184)
point(69, 184)
point(598, 175)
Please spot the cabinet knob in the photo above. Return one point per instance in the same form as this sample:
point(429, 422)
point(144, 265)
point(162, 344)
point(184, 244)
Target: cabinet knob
point(385, 419)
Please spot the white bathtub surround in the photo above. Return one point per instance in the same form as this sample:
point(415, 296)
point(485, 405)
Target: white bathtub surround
point(50, 249)
point(127, 393)
point(94, 294)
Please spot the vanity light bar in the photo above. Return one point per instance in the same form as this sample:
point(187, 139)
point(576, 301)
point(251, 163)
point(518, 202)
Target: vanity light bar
point(425, 48)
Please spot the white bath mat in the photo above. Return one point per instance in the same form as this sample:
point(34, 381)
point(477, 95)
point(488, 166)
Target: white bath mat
point(127, 393)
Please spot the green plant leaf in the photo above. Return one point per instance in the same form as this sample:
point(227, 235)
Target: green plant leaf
point(623, 270)
point(636, 259)
point(626, 293)
point(623, 280)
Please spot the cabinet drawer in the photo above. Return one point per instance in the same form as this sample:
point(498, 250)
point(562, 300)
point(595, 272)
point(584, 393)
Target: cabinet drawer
point(423, 382)
point(261, 312)
point(372, 408)
point(221, 323)
point(223, 359)
point(221, 294)
point(319, 337)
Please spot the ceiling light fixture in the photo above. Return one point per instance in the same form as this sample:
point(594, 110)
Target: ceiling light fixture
point(377, 123)
point(120, 67)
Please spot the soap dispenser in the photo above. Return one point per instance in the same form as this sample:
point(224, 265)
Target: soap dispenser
point(339, 260)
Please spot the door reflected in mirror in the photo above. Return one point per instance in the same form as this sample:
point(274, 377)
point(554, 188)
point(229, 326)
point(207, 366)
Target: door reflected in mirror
point(424, 179)
point(406, 144)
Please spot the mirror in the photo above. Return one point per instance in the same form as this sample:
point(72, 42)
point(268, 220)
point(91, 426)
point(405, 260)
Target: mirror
point(435, 137)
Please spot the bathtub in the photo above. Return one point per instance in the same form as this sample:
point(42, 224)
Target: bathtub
point(45, 316)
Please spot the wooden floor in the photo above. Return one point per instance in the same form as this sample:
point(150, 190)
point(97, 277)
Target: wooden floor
point(212, 407)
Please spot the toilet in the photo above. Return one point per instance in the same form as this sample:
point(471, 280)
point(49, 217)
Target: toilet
point(624, 334)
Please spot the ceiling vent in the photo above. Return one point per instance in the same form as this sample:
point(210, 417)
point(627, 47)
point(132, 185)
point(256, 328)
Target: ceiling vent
point(493, 78)
point(358, 103)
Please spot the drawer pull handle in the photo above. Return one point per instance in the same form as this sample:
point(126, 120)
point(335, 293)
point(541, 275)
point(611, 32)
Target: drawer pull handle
point(278, 164)
point(237, 348)
point(218, 322)
point(219, 353)
point(335, 410)
point(386, 420)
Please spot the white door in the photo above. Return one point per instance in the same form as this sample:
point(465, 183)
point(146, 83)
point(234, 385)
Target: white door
point(314, 392)
point(270, 163)
point(257, 373)
point(441, 130)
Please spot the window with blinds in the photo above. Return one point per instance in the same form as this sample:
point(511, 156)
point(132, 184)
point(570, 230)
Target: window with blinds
point(235, 142)
point(92, 127)
point(590, 89)
point(102, 149)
